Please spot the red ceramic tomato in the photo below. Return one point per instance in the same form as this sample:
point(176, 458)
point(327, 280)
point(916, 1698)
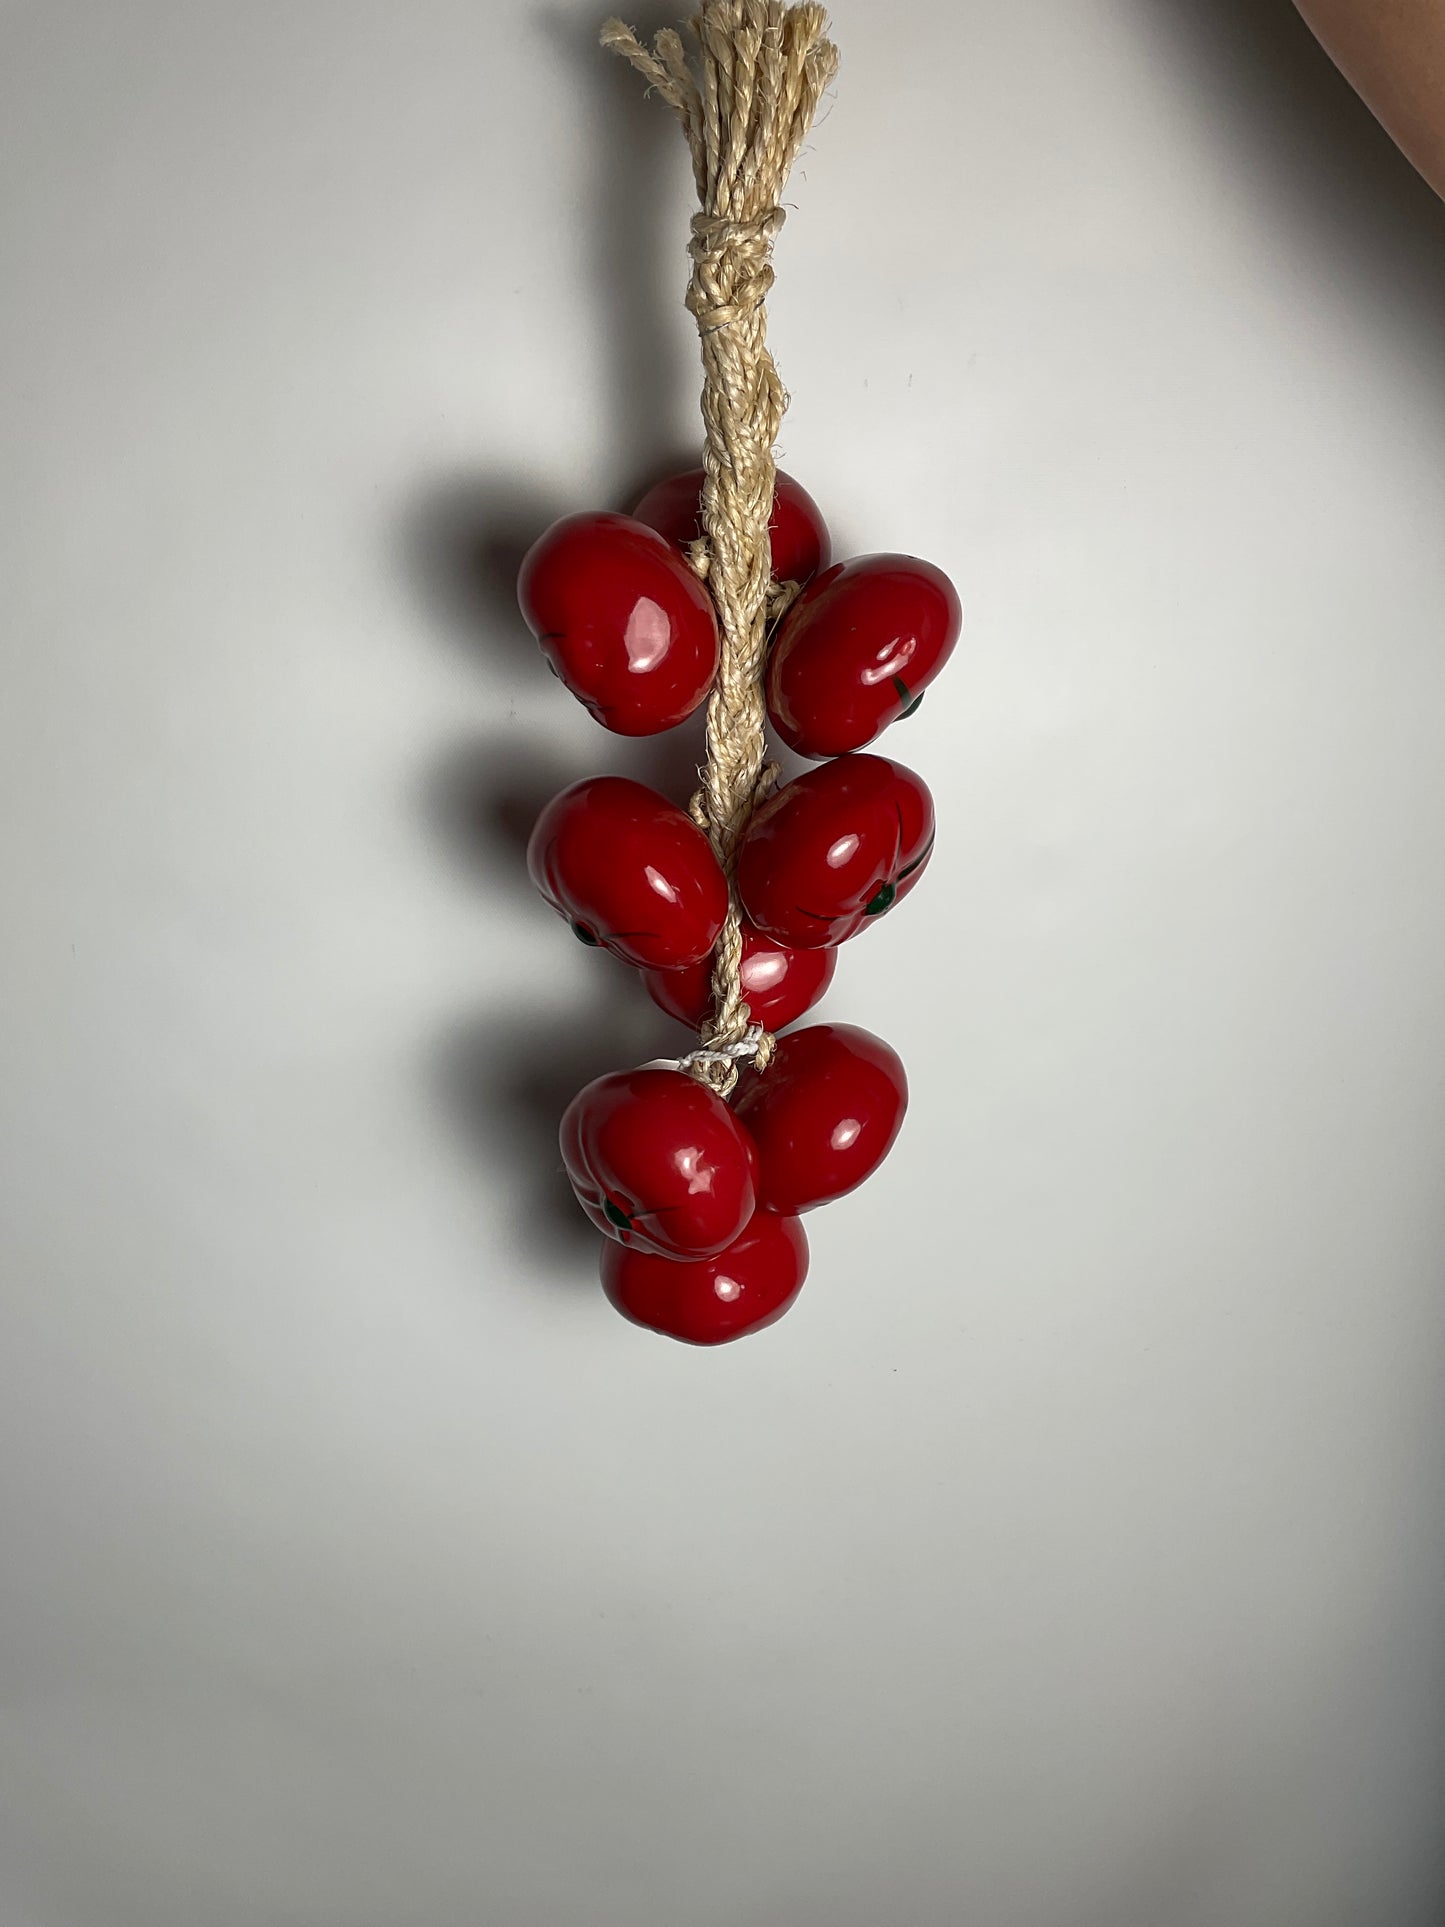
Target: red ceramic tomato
point(857, 650)
point(779, 983)
point(629, 871)
point(711, 1300)
point(622, 620)
point(823, 1115)
point(800, 535)
point(659, 1163)
point(833, 849)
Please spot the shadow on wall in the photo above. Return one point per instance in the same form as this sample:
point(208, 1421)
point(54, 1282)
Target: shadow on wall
point(503, 1076)
point(1308, 140)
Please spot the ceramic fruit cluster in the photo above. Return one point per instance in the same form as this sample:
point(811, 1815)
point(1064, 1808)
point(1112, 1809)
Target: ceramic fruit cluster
point(699, 1200)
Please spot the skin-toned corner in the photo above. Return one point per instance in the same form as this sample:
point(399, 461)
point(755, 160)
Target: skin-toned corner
point(1393, 54)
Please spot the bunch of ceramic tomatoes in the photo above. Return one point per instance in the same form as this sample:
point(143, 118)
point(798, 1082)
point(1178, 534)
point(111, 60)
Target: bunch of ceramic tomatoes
point(699, 1201)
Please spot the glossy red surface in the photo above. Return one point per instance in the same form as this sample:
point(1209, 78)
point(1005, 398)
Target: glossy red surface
point(833, 849)
point(779, 983)
point(659, 1163)
point(858, 649)
point(823, 1115)
point(629, 871)
point(800, 541)
point(712, 1300)
point(622, 619)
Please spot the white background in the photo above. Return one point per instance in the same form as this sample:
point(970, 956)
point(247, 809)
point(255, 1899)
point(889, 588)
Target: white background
point(1072, 1556)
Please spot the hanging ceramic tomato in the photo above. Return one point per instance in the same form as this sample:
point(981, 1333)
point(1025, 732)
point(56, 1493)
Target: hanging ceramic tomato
point(833, 849)
point(779, 983)
point(622, 619)
point(659, 1162)
point(798, 533)
point(824, 1115)
point(857, 650)
point(709, 1301)
point(629, 871)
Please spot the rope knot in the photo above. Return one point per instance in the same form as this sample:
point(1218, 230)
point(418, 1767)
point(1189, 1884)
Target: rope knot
point(718, 1062)
point(732, 268)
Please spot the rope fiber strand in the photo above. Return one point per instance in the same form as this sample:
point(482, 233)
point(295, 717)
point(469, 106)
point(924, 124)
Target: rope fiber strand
point(762, 68)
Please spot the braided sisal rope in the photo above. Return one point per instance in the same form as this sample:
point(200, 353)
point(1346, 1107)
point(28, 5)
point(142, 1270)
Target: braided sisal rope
point(763, 68)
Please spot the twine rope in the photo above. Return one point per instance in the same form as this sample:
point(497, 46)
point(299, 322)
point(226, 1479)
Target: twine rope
point(762, 68)
point(737, 1052)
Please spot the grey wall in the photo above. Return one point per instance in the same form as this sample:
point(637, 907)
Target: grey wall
point(1072, 1556)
